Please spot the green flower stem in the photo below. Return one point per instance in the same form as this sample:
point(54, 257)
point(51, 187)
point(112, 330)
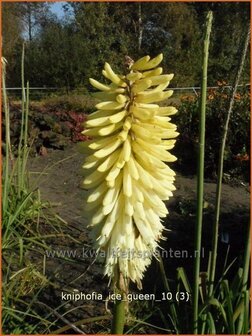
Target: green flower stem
point(220, 165)
point(20, 177)
point(200, 181)
point(118, 317)
point(119, 307)
point(7, 139)
point(25, 151)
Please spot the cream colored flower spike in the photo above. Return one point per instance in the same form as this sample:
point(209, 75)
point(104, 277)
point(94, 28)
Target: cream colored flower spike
point(126, 174)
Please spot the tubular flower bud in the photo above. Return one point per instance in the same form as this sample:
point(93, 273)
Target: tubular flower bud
point(126, 174)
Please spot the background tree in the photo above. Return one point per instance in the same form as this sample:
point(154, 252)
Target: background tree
point(173, 29)
point(12, 27)
point(34, 16)
point(228, 31)
point(65, 52)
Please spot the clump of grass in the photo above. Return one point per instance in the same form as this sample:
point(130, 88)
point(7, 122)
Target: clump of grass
point(22, 237)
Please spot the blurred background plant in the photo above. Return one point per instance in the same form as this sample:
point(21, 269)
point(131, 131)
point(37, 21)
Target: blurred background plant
point(237, 149)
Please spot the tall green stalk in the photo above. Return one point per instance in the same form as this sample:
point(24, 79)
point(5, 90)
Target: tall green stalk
point(200, 176)
point(118, 318)
point(119, 306)
point(20, 180)
point(25, 150)
point(220, 165)
point(7, 138)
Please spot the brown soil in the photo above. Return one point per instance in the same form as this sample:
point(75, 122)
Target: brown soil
point(60, 183)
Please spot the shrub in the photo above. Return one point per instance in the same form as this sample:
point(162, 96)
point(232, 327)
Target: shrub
point(236, 155)
point(52, 124)
point(77, 102)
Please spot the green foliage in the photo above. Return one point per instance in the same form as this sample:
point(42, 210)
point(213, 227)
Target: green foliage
point(12, 39)
point(23, 236)
point(21, 212)
point(226, 312)
point(34, 16)
point(172, 28)
point(65, 53)
point(236, 154)
point(76, 101)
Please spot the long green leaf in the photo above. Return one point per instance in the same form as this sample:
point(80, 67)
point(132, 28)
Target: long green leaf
point(211, 324)
point(182, 275)
point(246, 312)
point(171, 304)
point(229, 310)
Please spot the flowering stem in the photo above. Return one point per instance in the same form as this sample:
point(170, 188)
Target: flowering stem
point(7, 138)
point(200, 176)
point(220, 165)
point(20, 177)
point(119, 307)
point(131, 138)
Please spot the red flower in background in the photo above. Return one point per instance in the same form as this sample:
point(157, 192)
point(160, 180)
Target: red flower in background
point(77, 126)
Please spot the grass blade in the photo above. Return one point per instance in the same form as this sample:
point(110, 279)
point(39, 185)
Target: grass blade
point(182, 275)
point(230, 313)
point(172, 306)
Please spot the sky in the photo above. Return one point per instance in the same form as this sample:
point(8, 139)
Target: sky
point(56, 8)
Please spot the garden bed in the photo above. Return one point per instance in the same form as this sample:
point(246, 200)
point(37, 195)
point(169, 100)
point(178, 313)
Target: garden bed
point(61, 182)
